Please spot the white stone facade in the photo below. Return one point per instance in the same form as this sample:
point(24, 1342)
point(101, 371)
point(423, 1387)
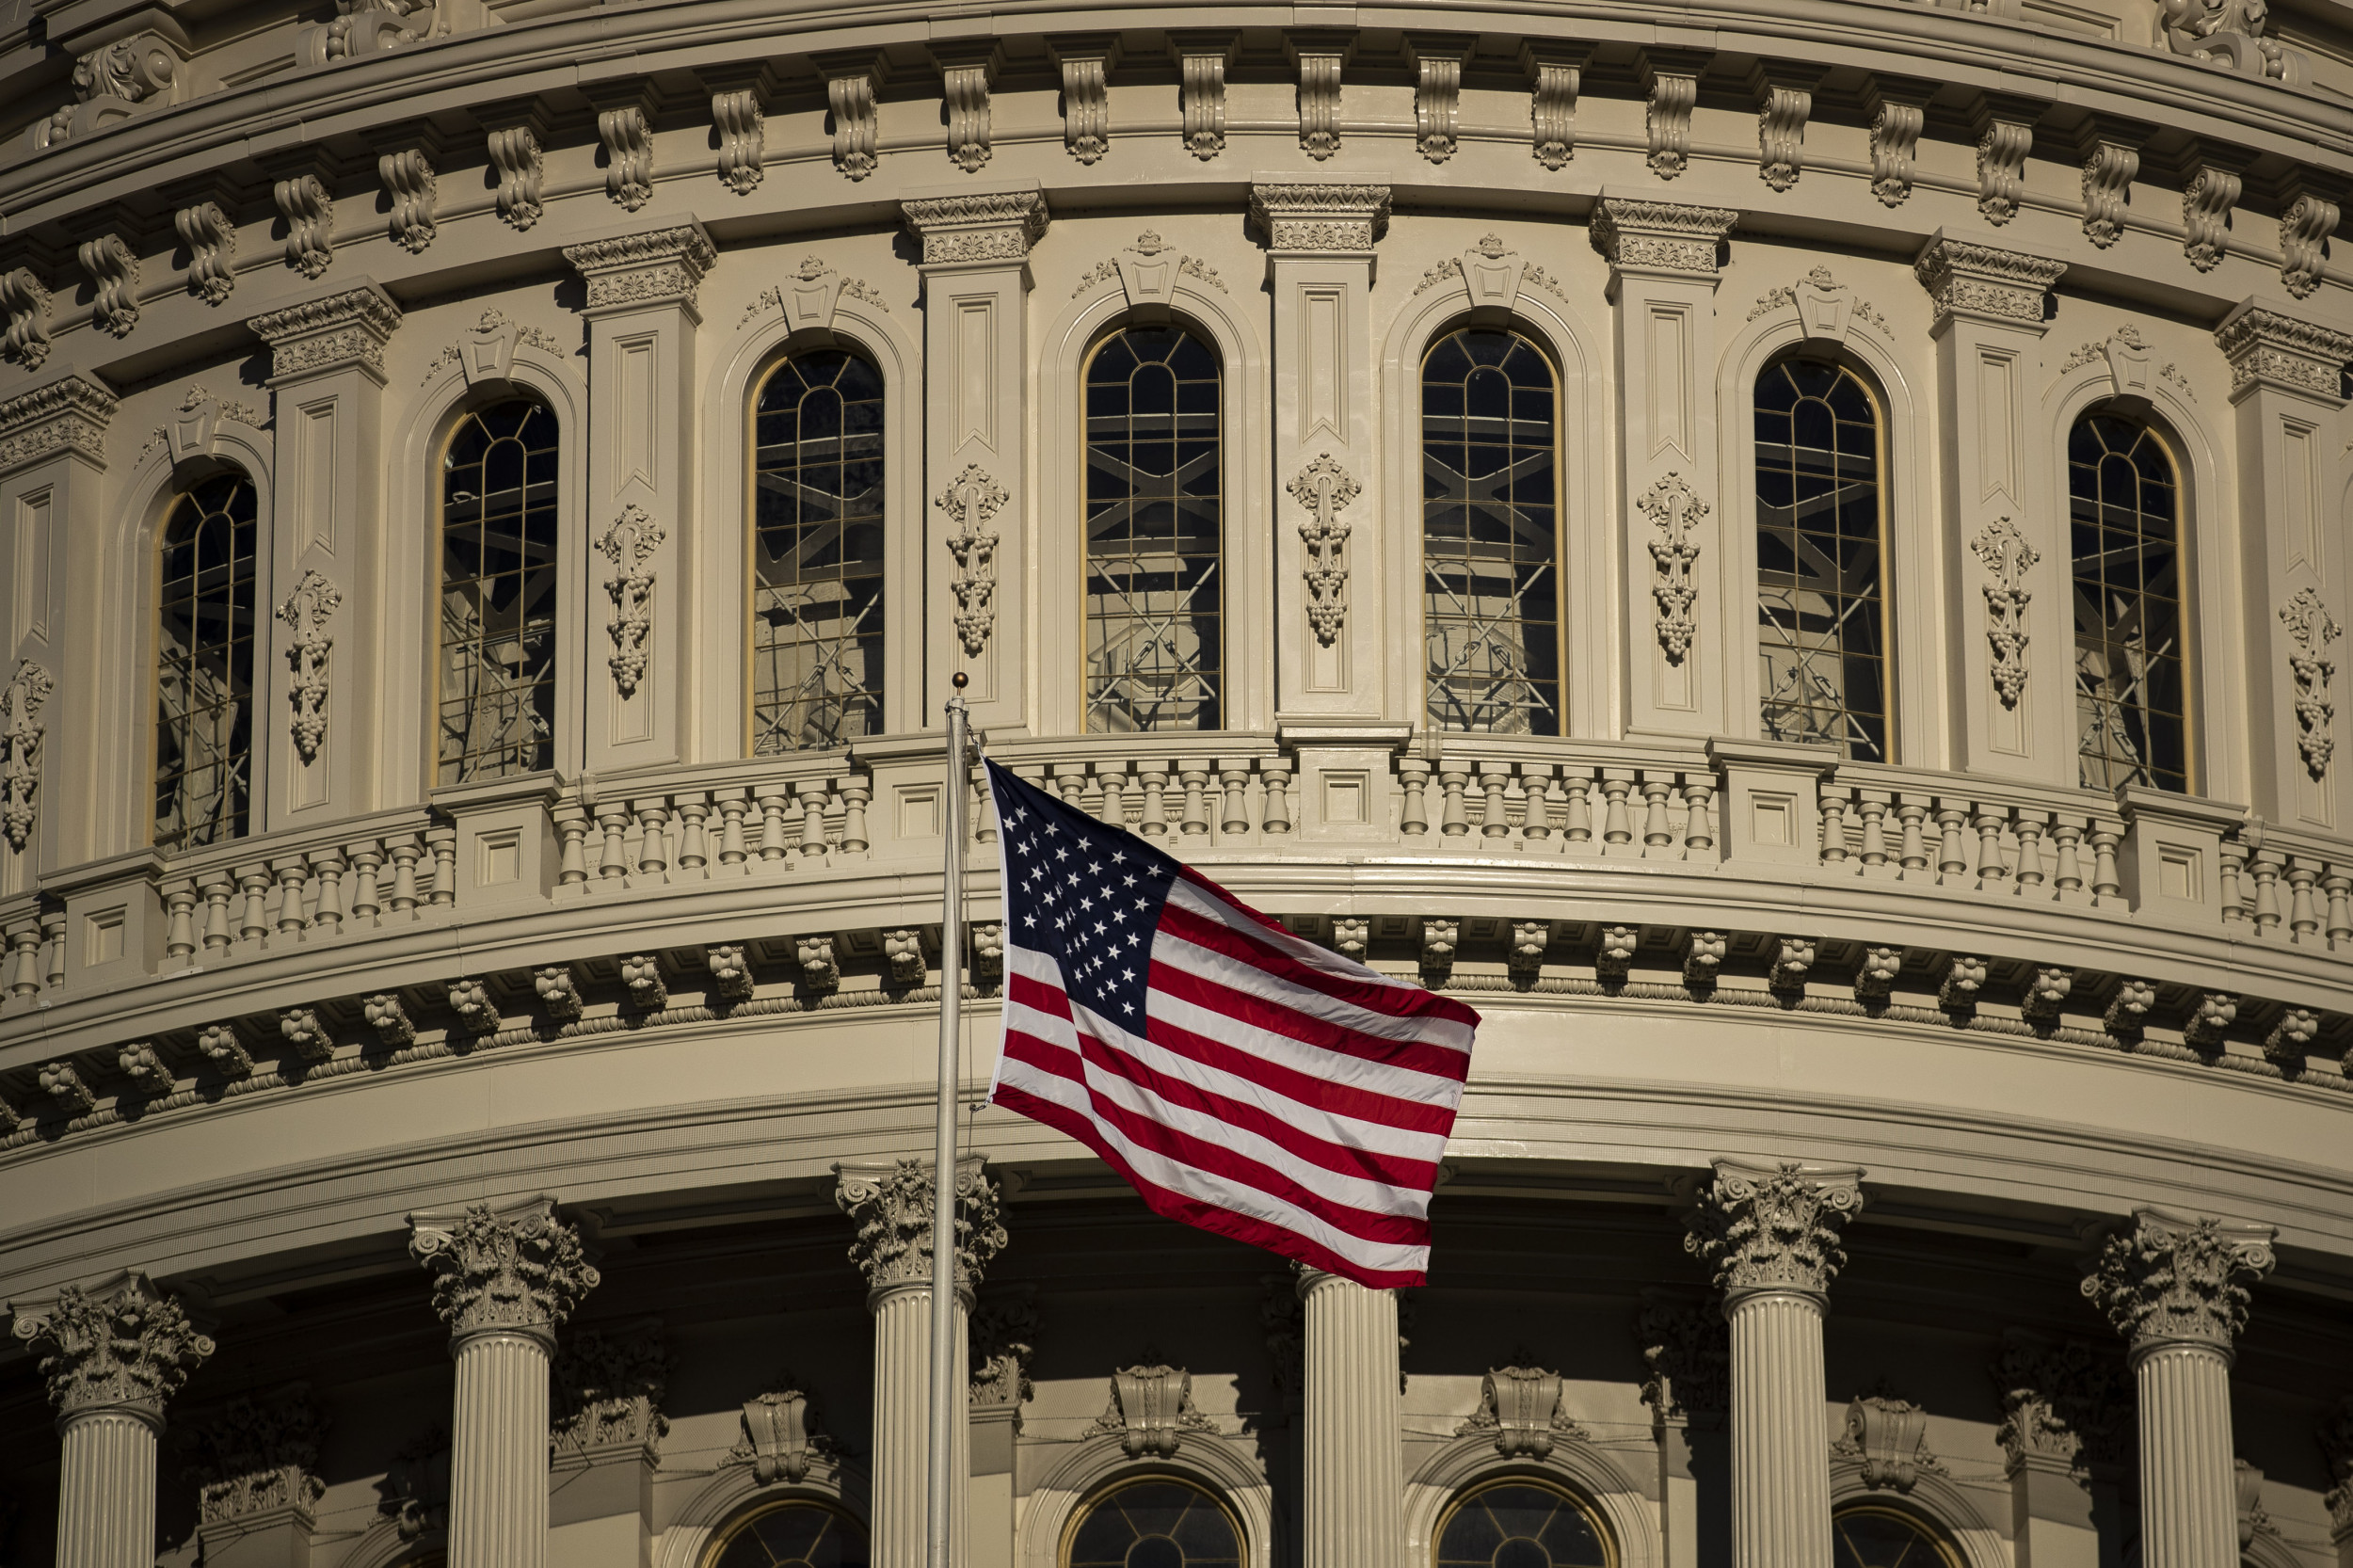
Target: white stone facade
point(1933, 1130)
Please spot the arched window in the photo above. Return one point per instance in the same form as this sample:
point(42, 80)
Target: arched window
point(1865, 1536)
point(817, 553)
point(204, 666)
point(1157, 1523)
point(1521, 1524)
point(1490, 535)
point(797, 1532)
point(1821, 606)
point(1155, 527)
point(2131, 695)
point(499, 585)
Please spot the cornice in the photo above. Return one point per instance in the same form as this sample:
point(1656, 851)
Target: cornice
point(1661, 239)
point(980, 226)
point(1319, 217)
point(1973, 281)
point(347, 328)
point(2270, 348)
point(69, 414)
point(659, 266)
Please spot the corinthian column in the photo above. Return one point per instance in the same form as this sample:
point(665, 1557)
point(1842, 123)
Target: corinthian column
point(112, 1356)
point(504, 1278)
point(1355, 1476)
point(2176, 1290)
point(893, 1205)
point(1770, 1235)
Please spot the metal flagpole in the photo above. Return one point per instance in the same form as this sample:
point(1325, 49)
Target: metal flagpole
point(947, 1386)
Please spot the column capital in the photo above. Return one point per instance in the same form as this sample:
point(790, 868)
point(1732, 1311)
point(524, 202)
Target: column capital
point(516, 1269)
point(2268, 347)
point(2173, 1281)
point(1970, 281)
point(1688, 1354)
point(349, 327)
point(2336, 1446)
point(1304, 218)
point(1659, 239)
point(2064, 1406)
point(1773, 1229)
point(659, 266)
point(891, 1202)
point(122, 1345)
point(258, 1463)
point(69, 414)
point(997, 226)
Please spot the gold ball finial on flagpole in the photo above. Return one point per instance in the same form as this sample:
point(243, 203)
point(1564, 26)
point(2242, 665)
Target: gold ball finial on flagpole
point(959, 681)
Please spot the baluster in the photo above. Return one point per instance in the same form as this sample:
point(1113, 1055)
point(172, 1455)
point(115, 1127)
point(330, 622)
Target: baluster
point(52, 944)
point(572, 833)
point(1699, 821)
point(367, 891)
point(1196, 781)
point(732, 805)
point(2029, 827)
point(326, 874)
point(1453, 776)
point(983, 807)
point(2266, 866)
point(219, 888)
point(856, 790)
point(1912, 813)
point(812, 796)
point(1413, 815)
point(253, 923)
point(1154, 820)
point(1577, 823)
point(1657, 831)
point(1991, 871)
point(2303, 916)
point(24, 941)
point(694, 845)
point(293, 875)
point(1070, 782)
point(1110, 777)
point(653, 837)
point(180, 933)
point(2233, 892)
point(405, 850)
point(442, 842)
point(613, 821)
point(1275, 772)
point(2105, 883)
point(1235, 775)
point(1495, 820)
point(1536, 794)
point(2339, 886)
point(1831, 798)
point(2069, 878)
point(1952, 853)
point(773, 801)
point(1617, 828)
point(1871, 806)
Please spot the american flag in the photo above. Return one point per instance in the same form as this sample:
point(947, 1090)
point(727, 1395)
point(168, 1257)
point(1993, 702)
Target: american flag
point(1241, 1079)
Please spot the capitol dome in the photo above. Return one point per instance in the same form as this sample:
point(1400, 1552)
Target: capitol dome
point(1794, 557)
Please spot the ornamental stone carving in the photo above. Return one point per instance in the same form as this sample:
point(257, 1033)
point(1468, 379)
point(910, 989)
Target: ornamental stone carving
point(2109, 169)
point(627, 139)
point(2229, 34)
point(1677, 513)
point(784, 1438)
point(2065, 1406)
point(1888, 1439)
point(2008, 557)
point(306, 612)
point(1774, 1229)
point(21, 731)
point(309, 213)
point(629, 542)
point(1201, 61)
point(1326, 489)
point(329, 333)
point(1319, 58)
point(2335, 1436)
point(122, 1345)
point(1003, 1337)
point(608, 1385)
point(1086, 65)
point(2267, 349)
point(1824, 305)
point(972, 501)
point(2206, 204)
point(1977, 283)
point(1668, 98)
point(967, 71)
point(69, 414)
point(1688, 1354)
point(210, 241)
point(1437, 64)
point(2312, 629)
point(893, 1205)
point(516, 155)
point(1659, 238)
point(1151, 1409)
point(1554, 74)
point(257, 1459)
point(1519, 1407)
point(999, 226)
point(113, 270)
point(2176, 1281)
point(743, 129)
point(512, 1270)
point(661, 267)
point(24, 300)
point(2004, 140)
point(411, 184)
point(1782, 110)
point(1298, 216)
point(850, 84)
point(1898, 113)
point(730, 970)
point(2304, 231)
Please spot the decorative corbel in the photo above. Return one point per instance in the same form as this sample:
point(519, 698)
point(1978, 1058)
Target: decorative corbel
point(1554, 71)
point(1896, 107)
point(1669, 80)
point(2208, 199)
point(1319, 55)
point(515, 141)
point(1785, 102)
point(2004, 126)
point(852, 79)
point(1437, 60)
point(411, 184)
point(1086, 62)
point(967, 69)
point(1201, 61)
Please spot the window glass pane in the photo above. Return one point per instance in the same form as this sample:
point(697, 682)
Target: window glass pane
point(499, 563)
point(1520, 1525)
point(817, 553)
point(1821, 631)
point(1155, 525)
point(204, 666)
point(1489, 545)
point(1155, 1524)
point(795, 1535)
point(1881, 1538)
point(2130, 690)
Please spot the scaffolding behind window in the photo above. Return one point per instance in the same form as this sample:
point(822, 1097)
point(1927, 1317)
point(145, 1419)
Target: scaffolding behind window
point(1821, 628)
point(204, 666)
point(1155, 531)
point(2130, 692)
point(1490, 535)
point(498, 586)
point(817, 553)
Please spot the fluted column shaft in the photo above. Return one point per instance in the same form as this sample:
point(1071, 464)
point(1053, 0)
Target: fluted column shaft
point(498, 1472)
point(1355, 1470)
point(1780, 1441)
point(107, 1496)
point(903, 1353)
point(2189, 1489)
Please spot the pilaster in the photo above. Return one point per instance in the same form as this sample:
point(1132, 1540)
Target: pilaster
point(1689, 619)
point(2287, 390)
point(976, 513)
point(112, 1357)
point(642, 320)
point(1356, 1477)
point(1319, 241)
point(504, 1278)
point(607, 1389)
point(325, 538)
point(1769, 1235)
point(2336, 1447)
point(1686, 1356)
point(2066, 1413)
point(2006, 539)
point(53, 461)
point(893, 1205)
point(257, 1483)
point(2176, 1289)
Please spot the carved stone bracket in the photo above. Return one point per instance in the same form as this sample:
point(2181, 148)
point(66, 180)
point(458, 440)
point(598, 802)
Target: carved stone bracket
point(2282, 353)
point(784, 1438)
point(2004, 136)
point(2208, 199)
point(2304, 231)
point(1785, 102)
point(2172, 1281)
point(999, 226)
point(515, 153)
point(413, 188)
point(972, 501)
point(1677, 513)
point(1085, 64)
point(211, 240)
point(25, 300)
point(1977, 283)
point(2313, 629)
point(1151, 1408)
point(741, 125)
point(1201, 62)
point(1437, 63)
point(1319, 58)
point(852, 79)
point(1899, 112)
point(1659, 238)
point(1889, 1438)
point(21, 731)
point(1326, 489)
point(308, 211)
point(122, 1345)
point(1669, 89)
point(967, 69)
point(629, 543)
point(1519, 1406)
point(325, 334)
point(2008, 557)
point(1774, 1229)
point(2110, 166)
point(514, 1270)
point(625, 132)
point(893, 1205)
point(662, 266)
point(113, 270)
point(256, 1458)
point(306, 612)
point(1555, 72)
point(608, 1388)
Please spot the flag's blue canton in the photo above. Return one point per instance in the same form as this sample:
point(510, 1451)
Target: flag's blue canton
point(1086, 895)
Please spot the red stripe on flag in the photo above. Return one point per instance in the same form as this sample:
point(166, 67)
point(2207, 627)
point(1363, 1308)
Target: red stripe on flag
point(1393, 1002)
point(1438, 1062)
point(1378, 994)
